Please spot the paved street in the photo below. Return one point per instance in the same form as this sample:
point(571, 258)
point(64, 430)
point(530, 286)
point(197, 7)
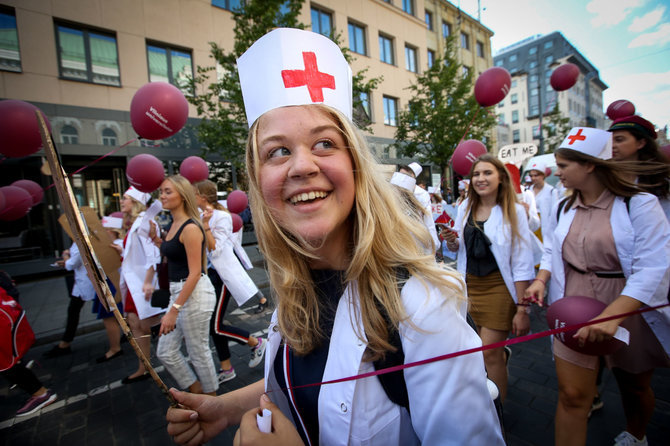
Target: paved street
point(94, 408)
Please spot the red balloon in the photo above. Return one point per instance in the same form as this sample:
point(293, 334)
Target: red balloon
point(145, 172)
point(237, 201)
point(34, 189)
point(573, 310)
point(564, 77)
point(194, 169)
point(117, 214)
point(465, 154)
point(158, 110)
point(237, 222)
point(17, 203)
point(515, 176)
point(619, 109)
point(492, 86)
point(2, 201)
point(19, 129)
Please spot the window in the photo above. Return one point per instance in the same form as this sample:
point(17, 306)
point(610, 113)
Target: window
point(431, 58)
point(408, 6)
point(500, 63)
point(390, 111)
point(515, 98)
point(514, 83)
point(69, 135)
point(532, 65)
point(365, 103)
point(108, 137)
point(534, 110)
point(465, 71)
point(515, 116)
point(501, 104)
point(429, 20)
point(536, 131)
point(10, 57)
point(533, 79)
point(515, 136)
point(167, 64)
point(230, 5)
point(357, 39)
point(532, 50)
point(548, 60)
point(512, 58)
point(501, 119)
point(480, 49)
point(465, 41)
point(548, 44)
point(322, 22)
point(410, 59)
point(386, 50)
point(446, 29)
point(87, 55)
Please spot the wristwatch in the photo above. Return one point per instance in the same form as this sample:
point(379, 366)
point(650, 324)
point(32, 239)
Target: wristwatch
point(177, 306)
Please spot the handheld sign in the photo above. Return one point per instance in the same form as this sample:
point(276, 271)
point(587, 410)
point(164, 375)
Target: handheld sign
point(516, 153)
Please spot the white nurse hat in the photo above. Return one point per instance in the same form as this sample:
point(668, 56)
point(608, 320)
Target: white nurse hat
point(594, 142)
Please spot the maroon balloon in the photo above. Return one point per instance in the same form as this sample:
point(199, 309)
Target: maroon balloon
point(619, 109)
point(492, 86)
point(573, 310)
point(194, 169)
point(117, 214)
point(17, 203)
point(666, 151)
point(237, 201)
point(2, 201)
point(158, 110)
point(19, 129)
point(145, 172)
point(465, 154)
point(34, 189)
point(237, 222)
point(564, 77)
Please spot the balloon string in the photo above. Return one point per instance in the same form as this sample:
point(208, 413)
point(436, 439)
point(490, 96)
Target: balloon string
point(520, 339)
point(468, 127)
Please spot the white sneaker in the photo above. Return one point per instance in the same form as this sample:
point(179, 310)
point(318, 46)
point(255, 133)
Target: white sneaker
point(625, 438)
point(226, 375)
point(257, 353)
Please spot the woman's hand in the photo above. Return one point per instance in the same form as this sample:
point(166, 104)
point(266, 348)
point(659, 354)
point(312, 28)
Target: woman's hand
point(534, 293)
point(169, 321)
point(520, 322)
point(201, 418)
point(117, 248)
point(451, 238)
point(597, 332)
point(207, 215)
point(283, 432)
point(148, 290)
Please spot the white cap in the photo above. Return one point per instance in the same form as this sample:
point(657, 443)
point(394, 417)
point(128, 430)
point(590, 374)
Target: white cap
point(537, 165)
point(416, 168)
point(594, 142)
point(463, 184)
point(289, 66)
point(433, 190)
point(112, 222)
point(404, 181)
point(142, 197)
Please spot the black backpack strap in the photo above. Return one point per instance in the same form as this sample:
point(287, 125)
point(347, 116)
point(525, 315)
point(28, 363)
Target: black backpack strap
point(561, 205)
point(394, 383)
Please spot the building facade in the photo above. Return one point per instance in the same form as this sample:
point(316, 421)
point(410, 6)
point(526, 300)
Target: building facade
point(81, 62)
point(531, 97)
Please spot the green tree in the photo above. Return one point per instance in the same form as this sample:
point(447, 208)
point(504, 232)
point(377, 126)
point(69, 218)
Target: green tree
point(442, 108)
point(555, 129)
point(223, 127)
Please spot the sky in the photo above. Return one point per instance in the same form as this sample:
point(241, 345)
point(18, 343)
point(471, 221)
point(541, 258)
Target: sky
point(628, 41)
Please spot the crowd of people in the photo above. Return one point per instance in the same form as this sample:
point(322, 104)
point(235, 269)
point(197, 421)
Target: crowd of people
point(358, 288)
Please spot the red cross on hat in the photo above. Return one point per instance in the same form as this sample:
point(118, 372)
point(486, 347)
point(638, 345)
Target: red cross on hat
point(577, 137)
point(315, 80)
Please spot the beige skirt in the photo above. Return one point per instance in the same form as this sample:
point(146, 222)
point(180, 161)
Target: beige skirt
point(489, 302)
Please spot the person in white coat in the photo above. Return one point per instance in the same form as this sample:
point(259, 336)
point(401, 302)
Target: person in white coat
point(138, 279)
point(423, 197)
point(495, 257)
point(545, 194)
point(610, 243)
point(322, 211)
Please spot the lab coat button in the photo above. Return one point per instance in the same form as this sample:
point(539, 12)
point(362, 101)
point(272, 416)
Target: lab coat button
point(343, 407)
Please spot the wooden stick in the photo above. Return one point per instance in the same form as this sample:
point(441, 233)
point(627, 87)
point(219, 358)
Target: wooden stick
point(89, 259)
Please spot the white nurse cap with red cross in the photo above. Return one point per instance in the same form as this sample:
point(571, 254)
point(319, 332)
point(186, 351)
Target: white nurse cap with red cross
point(590, 141)
point(291, 66)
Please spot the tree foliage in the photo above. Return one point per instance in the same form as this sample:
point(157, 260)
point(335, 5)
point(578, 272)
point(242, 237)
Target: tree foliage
point(223, 127)
point(555, 129)
point(440, 111)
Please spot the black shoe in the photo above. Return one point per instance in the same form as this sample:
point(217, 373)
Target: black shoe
point(129, 380)
point(261, 307)
point(57, 351)
point(105, 358)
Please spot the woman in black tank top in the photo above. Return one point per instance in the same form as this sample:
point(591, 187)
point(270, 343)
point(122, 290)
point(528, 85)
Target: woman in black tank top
point(192, 294)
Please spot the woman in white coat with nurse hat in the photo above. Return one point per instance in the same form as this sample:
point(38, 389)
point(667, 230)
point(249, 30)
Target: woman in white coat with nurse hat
point(138, 279)
point(610, 242)
point(322, 212)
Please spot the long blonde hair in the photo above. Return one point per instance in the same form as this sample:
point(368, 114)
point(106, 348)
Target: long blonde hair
point(383, 239)
point(185, 189)
point(506, 197)
point(129, 217)
point(207, 189)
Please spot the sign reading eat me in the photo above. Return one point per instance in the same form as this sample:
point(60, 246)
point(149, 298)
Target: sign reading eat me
point(516, 153)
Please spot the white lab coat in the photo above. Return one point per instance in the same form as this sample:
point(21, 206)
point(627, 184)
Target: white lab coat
point(516, 262)
point(642, 239)
point(223, 259)
point(545, 200)
point(449, 400)
point(533, 218)
point(83, 288)
point(424, 200)
point(139, 255)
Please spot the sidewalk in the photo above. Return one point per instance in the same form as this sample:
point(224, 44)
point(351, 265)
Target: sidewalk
point(94, 408)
